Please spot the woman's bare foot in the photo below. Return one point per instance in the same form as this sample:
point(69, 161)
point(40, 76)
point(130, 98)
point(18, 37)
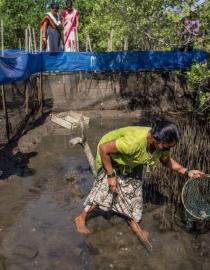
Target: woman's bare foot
point(80, 224)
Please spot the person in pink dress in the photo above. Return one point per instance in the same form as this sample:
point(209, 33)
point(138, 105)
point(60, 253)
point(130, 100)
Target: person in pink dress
point(70, 20)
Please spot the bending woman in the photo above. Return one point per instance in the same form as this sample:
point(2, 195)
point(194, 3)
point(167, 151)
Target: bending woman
point(121, 155)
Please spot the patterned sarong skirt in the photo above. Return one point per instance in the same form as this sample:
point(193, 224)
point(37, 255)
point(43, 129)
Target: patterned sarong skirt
point(130, 187)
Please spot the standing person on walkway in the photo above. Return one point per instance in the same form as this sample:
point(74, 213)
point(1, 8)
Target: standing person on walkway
point(51, 30)
point(70, 21)
point(190, 30)
point(121, 155)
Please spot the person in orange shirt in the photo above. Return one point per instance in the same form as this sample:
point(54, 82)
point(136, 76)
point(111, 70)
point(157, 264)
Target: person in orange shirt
point(51, 30)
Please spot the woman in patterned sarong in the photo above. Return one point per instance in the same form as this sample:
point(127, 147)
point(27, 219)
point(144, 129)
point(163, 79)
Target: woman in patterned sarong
point(70, 21)
point(121, 155)
point(51, 30)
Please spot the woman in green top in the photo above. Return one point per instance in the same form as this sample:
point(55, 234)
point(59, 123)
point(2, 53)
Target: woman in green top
point(121, 155)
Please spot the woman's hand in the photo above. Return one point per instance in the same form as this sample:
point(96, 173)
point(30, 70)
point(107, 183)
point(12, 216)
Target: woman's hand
point(44, 43)
point(112, 182)
point(195, 174)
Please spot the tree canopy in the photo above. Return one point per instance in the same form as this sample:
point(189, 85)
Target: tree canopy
point(151, 24)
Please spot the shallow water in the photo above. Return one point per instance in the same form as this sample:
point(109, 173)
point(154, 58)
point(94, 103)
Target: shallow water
point(37, 229)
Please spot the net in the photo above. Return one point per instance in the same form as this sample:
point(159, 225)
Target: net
point(196, 197)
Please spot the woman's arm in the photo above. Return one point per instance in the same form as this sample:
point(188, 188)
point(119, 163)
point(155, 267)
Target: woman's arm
point(105, 150)
point(44, 32)
point(175, 166)
point(77, 22)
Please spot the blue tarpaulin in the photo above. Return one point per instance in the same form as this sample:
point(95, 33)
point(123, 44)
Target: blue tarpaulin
point(18, 65)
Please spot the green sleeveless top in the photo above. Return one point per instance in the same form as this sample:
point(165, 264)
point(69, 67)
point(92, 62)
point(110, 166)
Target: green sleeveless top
point(131, 143)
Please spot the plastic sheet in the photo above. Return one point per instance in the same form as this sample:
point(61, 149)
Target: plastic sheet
point(18, 65)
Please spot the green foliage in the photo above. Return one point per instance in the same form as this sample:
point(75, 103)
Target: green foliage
point(198, 78)
point(151, 24)
point(203, 99)
point(17, 15)
point(198, 74)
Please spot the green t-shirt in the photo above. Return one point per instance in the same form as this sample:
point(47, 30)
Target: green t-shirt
point(131, 143)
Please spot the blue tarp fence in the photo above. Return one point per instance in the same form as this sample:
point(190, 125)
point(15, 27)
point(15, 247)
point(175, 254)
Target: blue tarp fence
point(18, 65)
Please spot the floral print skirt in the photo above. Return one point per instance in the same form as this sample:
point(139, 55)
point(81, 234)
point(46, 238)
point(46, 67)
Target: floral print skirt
point(130, 200)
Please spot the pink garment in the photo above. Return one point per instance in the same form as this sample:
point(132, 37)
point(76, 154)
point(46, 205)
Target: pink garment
point(69, 23)
point(64, 13)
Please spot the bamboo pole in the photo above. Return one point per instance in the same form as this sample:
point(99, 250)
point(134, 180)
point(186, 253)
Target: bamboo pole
point(86, 44)
point(40, 40)
point(40, 90)
point(90, 47)
point(19, 45)
point(34, 40)
point(40, 95)
point(30, 39)
point(77, 40)
point(125, 44)
point(2, 38)
point(110, 42)
point(5, 112)
point(27, 98)
point(26, 39)
point(3, 89)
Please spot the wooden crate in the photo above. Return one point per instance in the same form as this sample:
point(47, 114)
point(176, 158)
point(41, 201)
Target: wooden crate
point(70, 119)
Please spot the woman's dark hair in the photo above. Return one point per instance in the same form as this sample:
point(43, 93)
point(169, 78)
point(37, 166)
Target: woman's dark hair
point(69, 2)
point(54, 5)
point(165, 131)
point(185, 18)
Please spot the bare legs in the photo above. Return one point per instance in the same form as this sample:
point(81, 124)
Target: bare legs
point(82, 228)
point(138, 232)
point(81, 220)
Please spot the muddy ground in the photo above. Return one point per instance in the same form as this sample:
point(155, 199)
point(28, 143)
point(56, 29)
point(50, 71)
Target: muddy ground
point(42, 188)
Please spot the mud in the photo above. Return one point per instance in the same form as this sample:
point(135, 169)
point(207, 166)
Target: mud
point(43, 186)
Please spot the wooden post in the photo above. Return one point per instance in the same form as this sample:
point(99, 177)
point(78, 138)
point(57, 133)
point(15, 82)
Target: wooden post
point(110, 42)
point(19, 41)
point(26, 39)
point(86, 43)
point(175, 81)
point(125, 44)
point(89, 43)
point(5, 112)
point(27, 97)
point(40, 40)
point(30, 39)
point(77, 40)
point(40, 95)
point(3, 89)
point(2, 38)
point(34, 40)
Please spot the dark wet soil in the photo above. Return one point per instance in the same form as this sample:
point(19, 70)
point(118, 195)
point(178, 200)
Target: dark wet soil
point(39, 201)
